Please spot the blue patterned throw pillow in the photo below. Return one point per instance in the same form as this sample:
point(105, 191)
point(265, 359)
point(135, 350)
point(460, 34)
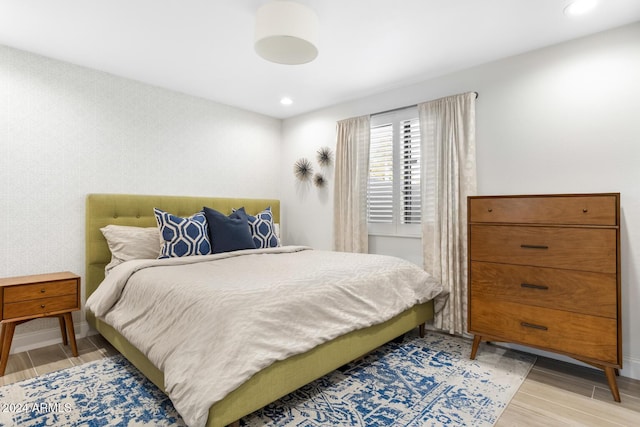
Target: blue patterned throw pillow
point(182, 236)
point(263, 230)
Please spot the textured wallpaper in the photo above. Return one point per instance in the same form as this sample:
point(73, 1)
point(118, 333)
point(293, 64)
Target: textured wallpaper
point(66, 131)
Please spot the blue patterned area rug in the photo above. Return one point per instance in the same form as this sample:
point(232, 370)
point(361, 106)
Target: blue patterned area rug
point(107, 392)
point(419, 382)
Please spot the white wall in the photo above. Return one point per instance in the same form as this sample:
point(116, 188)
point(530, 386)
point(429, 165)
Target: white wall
point(558, 120)
point(564, 119)
point(66, 131)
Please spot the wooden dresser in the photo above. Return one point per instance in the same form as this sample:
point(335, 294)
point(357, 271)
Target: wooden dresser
point(544, 271)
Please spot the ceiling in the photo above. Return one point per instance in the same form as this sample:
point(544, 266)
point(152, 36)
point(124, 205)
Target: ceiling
point(205, 47)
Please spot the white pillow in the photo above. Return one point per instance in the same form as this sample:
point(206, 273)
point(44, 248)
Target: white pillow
point(127, 243)
point(276, 230)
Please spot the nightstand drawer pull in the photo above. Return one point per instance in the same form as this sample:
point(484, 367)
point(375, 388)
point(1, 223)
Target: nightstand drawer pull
point(534, 247)
point(42, 291)
point(532, 286)
point(533, 326)
point(41, 305)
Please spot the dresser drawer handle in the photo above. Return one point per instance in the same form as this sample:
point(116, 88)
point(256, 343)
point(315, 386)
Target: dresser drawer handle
point(534, 247)
point(533, 326)
point(532, 286)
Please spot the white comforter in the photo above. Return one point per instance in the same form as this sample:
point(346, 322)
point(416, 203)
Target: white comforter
point(211, 322)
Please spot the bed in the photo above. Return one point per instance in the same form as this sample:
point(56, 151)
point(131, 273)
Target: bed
point(267, 385)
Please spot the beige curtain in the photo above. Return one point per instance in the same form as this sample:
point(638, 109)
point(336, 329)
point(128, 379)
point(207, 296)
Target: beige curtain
point(447, 129)
point(350, 194)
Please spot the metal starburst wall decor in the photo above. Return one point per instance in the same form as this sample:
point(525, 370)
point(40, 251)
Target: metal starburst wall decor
point(302, 169)
point(325, 156)
point(319, 180)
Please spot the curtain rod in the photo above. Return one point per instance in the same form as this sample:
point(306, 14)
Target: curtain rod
point(402, 108)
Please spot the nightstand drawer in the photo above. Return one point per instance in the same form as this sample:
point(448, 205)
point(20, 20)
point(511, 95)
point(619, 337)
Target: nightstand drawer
point(576, 291)
point(583, 210)
point(586, 249)
point(586, 337)
point(40, 290)
point(37, 307)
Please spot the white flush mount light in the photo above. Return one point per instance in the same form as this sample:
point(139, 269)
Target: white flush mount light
point(580, 7)
point(286, 101)
point(286, 33)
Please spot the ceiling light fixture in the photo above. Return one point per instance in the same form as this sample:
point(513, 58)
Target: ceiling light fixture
point(286, 101)
point(286, 33)
point(580, 7)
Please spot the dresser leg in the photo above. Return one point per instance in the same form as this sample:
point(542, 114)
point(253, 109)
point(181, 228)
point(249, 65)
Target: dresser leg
point(474, 348)
point(613, 384)
point(68, 320)
point(7, 337)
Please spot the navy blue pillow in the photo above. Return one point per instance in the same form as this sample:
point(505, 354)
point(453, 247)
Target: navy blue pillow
point(228, 233)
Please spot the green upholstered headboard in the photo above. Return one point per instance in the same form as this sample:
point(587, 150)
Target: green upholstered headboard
point(137, 210)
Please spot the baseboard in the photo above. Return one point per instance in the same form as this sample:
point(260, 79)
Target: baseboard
point(43, 337)
point(631, 368)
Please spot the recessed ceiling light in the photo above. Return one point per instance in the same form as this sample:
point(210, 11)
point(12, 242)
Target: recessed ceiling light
point(580, 7)
point(286, 101)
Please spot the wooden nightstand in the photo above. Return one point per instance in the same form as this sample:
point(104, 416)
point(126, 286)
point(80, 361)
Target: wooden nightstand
point(30, 297)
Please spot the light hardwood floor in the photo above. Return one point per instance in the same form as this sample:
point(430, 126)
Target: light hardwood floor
point(40, 361)
point(563, 394)
point(554, 394)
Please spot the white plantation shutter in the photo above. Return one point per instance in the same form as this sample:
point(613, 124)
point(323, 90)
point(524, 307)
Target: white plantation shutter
point(393, 191)
point(380, 186)
point(410, 172)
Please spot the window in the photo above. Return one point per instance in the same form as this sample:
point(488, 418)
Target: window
point(393, 191)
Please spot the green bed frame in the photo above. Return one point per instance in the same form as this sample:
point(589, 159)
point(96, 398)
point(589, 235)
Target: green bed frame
point(266, 386)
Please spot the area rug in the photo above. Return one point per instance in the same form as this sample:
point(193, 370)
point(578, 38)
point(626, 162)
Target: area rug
point(417, 382)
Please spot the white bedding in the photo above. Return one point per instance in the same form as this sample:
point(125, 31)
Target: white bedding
point(211, 322)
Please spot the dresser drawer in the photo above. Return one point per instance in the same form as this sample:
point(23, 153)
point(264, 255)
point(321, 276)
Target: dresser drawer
point(583, 210)
point(36, 307)
point(583, 336)
point(588, 249)
point(39, 290)
point(576, 291)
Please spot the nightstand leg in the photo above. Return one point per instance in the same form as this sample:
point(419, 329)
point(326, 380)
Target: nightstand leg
point(2, 338)
point(63, 330)
point(7, 337)
point(474, 348)
point(68, 320)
